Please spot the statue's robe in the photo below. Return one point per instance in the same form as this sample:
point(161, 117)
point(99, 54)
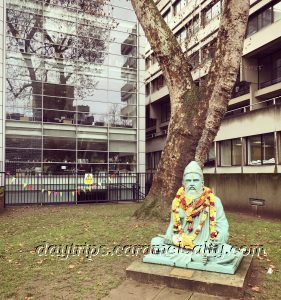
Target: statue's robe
point(218, 252)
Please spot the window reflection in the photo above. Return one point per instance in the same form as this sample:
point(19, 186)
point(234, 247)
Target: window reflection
point(70, 65)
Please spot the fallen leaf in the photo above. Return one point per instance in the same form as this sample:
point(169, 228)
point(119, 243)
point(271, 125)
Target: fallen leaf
point(256, 289)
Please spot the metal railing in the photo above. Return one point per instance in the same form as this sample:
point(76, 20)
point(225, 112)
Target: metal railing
point(259, 105)
point(71, 188)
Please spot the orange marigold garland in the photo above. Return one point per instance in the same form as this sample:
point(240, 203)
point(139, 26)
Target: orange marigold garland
point(206, 202)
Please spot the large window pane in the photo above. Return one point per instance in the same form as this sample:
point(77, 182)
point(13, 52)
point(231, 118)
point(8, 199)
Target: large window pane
point(92, 157)
point(23, 142)
point(59, 143)
point(23, 155)
point(73, 66)
point(65, 156)
point(265, 18)
point(268, 148)
point(252, 25)
point(236, 152)
point(254, 150)
point(277, 12)
point(85, 144)
point(225, 153)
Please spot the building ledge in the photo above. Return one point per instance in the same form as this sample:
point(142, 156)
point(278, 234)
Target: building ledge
point(239, 99)
point(254, 43)
point(269, 91)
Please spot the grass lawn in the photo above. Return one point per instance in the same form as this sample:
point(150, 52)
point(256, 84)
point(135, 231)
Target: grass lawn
point(26, 275)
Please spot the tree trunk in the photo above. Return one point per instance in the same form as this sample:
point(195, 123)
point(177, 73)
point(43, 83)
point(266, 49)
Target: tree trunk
point(185, 127)
point(188, 107)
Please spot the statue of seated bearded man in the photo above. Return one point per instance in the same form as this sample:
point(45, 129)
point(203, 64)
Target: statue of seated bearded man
point(197, 235)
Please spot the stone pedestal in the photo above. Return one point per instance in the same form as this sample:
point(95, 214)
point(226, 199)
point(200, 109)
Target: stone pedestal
point(197, 281)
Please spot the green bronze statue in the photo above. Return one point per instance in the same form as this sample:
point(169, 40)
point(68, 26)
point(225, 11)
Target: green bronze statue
point(197, 235)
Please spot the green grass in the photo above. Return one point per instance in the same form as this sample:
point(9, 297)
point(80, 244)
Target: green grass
point(25, 274)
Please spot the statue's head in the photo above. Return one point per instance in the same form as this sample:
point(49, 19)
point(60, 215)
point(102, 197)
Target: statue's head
point(193, 180)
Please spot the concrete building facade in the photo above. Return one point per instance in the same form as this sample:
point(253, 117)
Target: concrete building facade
point(73, 99)
point(245, 160)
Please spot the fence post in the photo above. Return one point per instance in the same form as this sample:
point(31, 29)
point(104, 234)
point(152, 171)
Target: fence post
point(37, 188)
point(68, 190)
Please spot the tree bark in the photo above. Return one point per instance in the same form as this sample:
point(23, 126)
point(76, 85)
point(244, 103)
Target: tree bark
point(223, 71)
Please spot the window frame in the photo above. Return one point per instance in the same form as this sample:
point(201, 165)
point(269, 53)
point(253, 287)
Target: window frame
point(231, 153)
point(261, 136)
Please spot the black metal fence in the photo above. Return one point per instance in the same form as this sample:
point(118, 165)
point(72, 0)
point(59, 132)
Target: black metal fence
point(75, 188)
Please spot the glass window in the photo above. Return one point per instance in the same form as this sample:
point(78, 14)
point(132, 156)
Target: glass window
point(252, 25)
point(155, 159)
point(165, 111)
point(59, 143)
point(23, 155)
point(148, 161)
point(265, 69)
point(208, 52)
point(270, 70)
point(236, 152)
point(276, 64)
point(261, 149)
point(71, 64)
point(212, 13)
point(167, 16)
point(23, 142)
point(254, 150)
point(194, 59)
point(91, 157)
point(216, 10)
point(268, 149)
point(225, 153)
point(211, 158)
point(265, 18)
point(207, 16)
point(66, 156)
point(196, 25)
point(178, 6)
point(277, 12)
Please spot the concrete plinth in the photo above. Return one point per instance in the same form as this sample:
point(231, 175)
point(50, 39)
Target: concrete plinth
point(197, 281)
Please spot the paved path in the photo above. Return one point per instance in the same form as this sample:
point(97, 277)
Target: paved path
point(133, 290)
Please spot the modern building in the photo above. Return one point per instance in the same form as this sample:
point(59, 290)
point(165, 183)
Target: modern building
point(71, 91)
point(245, 161)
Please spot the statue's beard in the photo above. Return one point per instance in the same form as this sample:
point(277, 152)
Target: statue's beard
point(194, 193)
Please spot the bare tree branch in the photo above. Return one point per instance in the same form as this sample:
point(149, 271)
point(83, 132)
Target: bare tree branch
point(16, 94)
point(165, 46)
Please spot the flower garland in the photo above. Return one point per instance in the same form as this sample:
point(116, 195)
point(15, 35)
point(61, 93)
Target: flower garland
point(205, 203)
